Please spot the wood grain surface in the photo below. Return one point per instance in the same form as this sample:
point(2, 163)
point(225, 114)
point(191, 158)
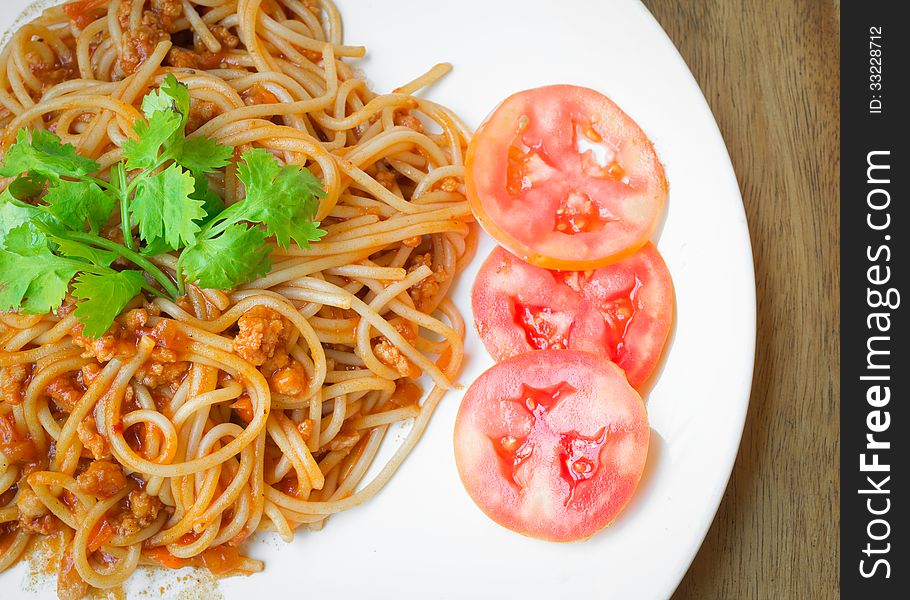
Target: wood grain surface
point(770, 72)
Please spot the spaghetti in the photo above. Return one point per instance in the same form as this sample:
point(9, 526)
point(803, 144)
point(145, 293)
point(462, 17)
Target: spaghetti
point(192, 424)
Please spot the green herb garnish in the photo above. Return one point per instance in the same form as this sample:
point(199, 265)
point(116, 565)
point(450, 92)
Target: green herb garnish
point(52, 216)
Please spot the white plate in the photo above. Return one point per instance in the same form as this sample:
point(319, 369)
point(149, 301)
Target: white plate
point(422, 537)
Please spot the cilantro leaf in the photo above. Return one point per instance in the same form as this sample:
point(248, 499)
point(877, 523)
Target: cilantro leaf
point(27, 186)
point(284, 199)
point(156, 247)
point(203, 155)
point(35, 280)
point(164, 209)
point(76, 203)
point(42, 153)
point(212, 203)
point(167, 110)
point(104, 297)
point(238, 255)
point(14, 213)
point(151, 137)
point(73, 249)
point(171, 96)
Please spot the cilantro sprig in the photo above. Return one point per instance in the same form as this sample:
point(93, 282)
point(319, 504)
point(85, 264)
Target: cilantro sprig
point(59, 214)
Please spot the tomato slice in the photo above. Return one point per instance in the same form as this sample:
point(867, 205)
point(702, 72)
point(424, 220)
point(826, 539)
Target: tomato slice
point(552, 443)
point(563, 178)
point(623, 310)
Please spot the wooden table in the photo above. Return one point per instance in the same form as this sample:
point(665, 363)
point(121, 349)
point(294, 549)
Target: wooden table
point(770, 73)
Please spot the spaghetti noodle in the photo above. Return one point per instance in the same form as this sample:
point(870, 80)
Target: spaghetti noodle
point(190, 425)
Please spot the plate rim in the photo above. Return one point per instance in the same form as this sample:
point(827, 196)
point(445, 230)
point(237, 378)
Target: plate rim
point(752, 309)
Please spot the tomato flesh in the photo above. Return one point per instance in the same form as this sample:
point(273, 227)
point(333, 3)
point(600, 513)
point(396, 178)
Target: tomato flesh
point(552, 443)
point(579, 456)
point(623, 310)
point(563, 178)
point(540, 330)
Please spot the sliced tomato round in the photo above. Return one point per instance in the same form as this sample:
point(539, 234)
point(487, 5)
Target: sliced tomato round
point(623, 310)
point(552, 443)
point(563, 178)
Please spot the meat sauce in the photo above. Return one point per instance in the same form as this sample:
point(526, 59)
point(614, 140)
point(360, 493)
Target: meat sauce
point(84, 12)
point(220, 560)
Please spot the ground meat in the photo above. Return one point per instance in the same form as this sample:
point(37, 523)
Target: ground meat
point(16, 447)
point(90, 372)
point(169, 10)
point(261, 331)
point(155, 27)
point(305, 428)
point(122, 337)
point(65, 391)
point(290, 380)
point(243, 408)
point(449, 184)
point(199, 56)
point(201, 112)
point(258, 94)
point(50, 75)
point(142, 510)
point(123, 13)
point(13, 381)
point(70, 585)
point(183, 58)
point(412, 242)
point(279, 360)
point(103, 348)
point(405, 119)
point(426, 289)
point(138, 45)
point(284, 374)
point(93, 441)
point(34, 516)
point(83, 12)
point(102, 479)
point(386, 179)
point(389, 354)
point(135, 319)
point(156, 374)
point(224, 35)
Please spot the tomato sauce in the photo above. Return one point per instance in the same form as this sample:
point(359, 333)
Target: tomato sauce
point(407, 392)
point(7, 535)
point(15, 447)
point(101, 533)
point(258, 94)
point(160, 555)
point(221, 559)
point(83, 12)
point(243, 408)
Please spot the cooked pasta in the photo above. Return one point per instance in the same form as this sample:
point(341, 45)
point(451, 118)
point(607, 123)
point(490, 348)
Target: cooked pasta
point(193, 423)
